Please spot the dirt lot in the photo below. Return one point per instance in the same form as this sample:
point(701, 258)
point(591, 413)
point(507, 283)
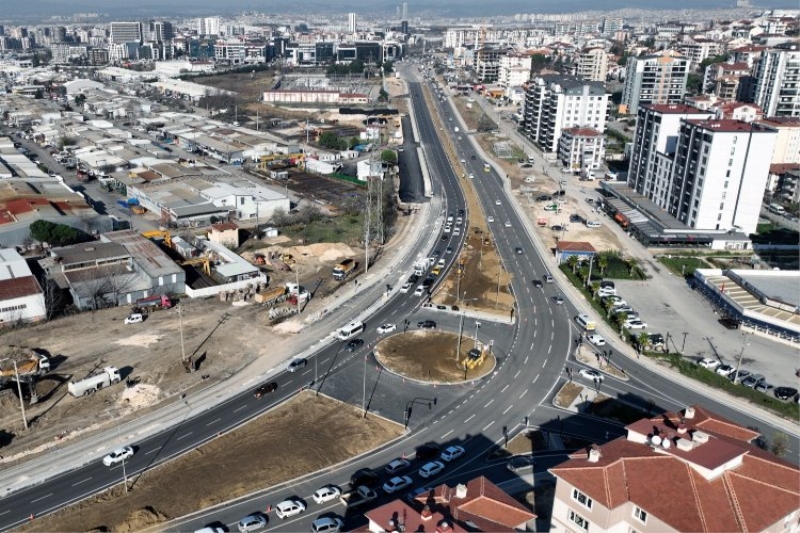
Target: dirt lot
point(429, 356)
point(283, 444)
point(567, 394)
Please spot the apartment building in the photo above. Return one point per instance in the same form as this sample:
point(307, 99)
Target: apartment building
point(698, 49)
point(487, 64)
point(592, 65)
point(125, 32)
point(237, 51)
point(777, 75)
point(207, 26)
point(655, 79)
point(554, 102)
point(581, 148)
point(730, 80)
point(690, 470)
point(514, 69)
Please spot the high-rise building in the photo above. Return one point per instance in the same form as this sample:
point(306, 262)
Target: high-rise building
point(125, 32)
point(593, 65)
point(404, 14)
point(351, 22)
point(654, 79)
point(777, 76)
point(161, 31)
point(404, 27)
point(555, 102)
point(208, 26)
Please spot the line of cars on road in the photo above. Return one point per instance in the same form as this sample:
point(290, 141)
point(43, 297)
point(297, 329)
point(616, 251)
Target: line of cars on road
point(748, 379)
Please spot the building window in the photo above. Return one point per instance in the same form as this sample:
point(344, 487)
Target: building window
point(14, 308)
point(640, 514)
point(582, 498)
point(578, 520)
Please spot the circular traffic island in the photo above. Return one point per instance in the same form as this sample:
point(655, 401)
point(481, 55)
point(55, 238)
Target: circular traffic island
point(430, 357)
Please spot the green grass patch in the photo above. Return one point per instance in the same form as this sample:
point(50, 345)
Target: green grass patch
point(683, 266)
point(348, 229)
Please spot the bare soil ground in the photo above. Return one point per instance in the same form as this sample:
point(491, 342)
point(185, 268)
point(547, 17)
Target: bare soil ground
point(469, 114)
point(429, 356)
point(567, 394)
point(249, 86)
point(523, 443)
point(286, 443)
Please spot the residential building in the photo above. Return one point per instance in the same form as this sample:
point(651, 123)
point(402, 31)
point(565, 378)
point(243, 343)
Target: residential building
point(654, 79)
point(478, 505)
point(555, 102)
point(487, 64)
point(237, 51)
point(593, 64)
point(581, 148)
point(125, 32)
point(737, 111)
point(679, 471)
point(787, 140)
point(777, 88)
point(730, 80)
point(351, 23)
point(698, 49)
point(21, 296)
point(208, 26)
point(514, 69)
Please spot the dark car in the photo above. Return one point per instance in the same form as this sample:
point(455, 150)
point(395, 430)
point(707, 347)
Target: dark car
point(461, 212)
point(444, 237)
point(544, 198)
point(354, 345)
point(518, 250)
point(429, 450)
point(784, 393)
point(473, 158)
point(413, 278)
point(426, 324)
point(557, 228)
point(730, 323)
point(538, 284)
point(560, 192)
point(365, 477)
point(520, 463)
point(266, 388)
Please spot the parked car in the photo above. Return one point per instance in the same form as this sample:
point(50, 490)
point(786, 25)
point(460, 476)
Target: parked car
point(431, 469)
point(264, 389)
point(426, 324)
point(327, 524)
point(326, 494)
point(752, 380)
point(252, 522)
point(416, 493)
point(724, 370)
point(593, 224)
point(557, 227)
point(520, 463)
point(428, 451)
point(354, 345)
point(591, 374)
point(297, 364)
point(365, 477)
point(451, 453)
point(763, 387)
point(396, 483)
point(118, 455)
point(635, 324)
point(289, 508)
point(386, 328)
point(709, 364)
point(597, 340)
point(784, 393)
point(741, 376)
point(397, 466)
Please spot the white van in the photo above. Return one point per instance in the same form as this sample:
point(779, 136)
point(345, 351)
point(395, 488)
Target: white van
point(586, 322)
point(777, 209)
point(350, 330)
point(134, 318)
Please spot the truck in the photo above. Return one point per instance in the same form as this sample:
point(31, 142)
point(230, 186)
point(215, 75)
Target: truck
point(420, 267)
point(621, 219)
point(271, 296)
point(344, 269)
point(359, 496)
point(152, 303)
point(89, 385)
point(35, 365)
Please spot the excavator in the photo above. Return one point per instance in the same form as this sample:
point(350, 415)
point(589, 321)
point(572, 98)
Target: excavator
point(204, 261)
point(159, 234)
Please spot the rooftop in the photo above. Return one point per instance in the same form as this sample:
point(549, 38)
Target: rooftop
point(575, 246)
point(675, 109)
point(149, 257)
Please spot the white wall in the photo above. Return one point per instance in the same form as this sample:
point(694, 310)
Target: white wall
point(34, 309)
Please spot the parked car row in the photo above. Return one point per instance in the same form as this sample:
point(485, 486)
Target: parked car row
point(608, 292)
point(747, 378)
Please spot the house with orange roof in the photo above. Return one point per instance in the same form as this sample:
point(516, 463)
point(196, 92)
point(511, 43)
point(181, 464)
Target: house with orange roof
point(683, 471)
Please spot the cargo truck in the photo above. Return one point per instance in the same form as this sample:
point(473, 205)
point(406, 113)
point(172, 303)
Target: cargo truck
point(153, 303)
point(35, 365)
point(344, 269)
point(420, 267)
point(86, 386)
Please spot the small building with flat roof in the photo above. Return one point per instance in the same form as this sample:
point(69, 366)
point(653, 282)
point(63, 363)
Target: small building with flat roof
point(21, 296)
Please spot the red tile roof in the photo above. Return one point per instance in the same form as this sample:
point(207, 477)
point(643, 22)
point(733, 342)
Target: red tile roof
point(674, 109)
point(575, 246)
point(19, 287)
point(726, 125)
point(224, 226)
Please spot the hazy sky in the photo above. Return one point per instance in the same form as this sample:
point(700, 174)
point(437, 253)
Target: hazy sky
point(156, 8)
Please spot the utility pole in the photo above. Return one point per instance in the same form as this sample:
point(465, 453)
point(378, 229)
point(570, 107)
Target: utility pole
point(741, 356)
point(460, 333)
point(497, 298)
point(367, 223)
point(589, 278)
point(297, 281)
point(180, 325)
point(19, 391)
point(364, 393)
point(477, 326)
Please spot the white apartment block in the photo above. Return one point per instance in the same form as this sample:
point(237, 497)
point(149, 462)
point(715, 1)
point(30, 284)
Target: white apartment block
point(593, 65)
point(238, 51)
point(654, 79)
point(208, 26)
point(787, 140)
point(125, 32)
point(698, 49)
point(555, 102)
point(778, 81)
point(581, 148)
point(514, 70)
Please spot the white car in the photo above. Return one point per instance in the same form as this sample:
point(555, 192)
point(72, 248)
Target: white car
point(326, 494)
point(490, 219)
point(507, 224)
point(597, 340)
point(386, 328)
point(327, 525)
point(419, 291)
point(396, 466)
point(463, 161)
point(498, 202)
point(406, 287)
point(635, 324)
point(117, 456)
point(289, 508)
point(441, 263)
point(592, 224)
point(431, 469)
point(472, 176)
point(252, 522)
point(451, 453)
point(710, 364)
point(396, 483)
point(591, 374)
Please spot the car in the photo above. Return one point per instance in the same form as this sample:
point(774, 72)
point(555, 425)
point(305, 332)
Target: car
point(297, 364)
point(559, 300)
point(498, 202)
point(627, 309)
point(396, 483)
point(420, 290)
point(400, 149)
point(387, 328)
point(472, 158)
point(543, 198)
point(518, 250)
point(451, 453)
point(461, 212)
point(365, 477)
point(428, 450)
point(635, 324)
point(441, 263)
point(118, 455)
point(416, 493)
point(538, 284)
point(724, 370)
point(729, 323)
point(507, 224)
point(211, 529)
point(548, 278)
point(557, 227)
point(764, 387)
point(431, 469)
point(448, 250)
point(490, 219)
point(326, 494)
point(426, 324)
point(597, 340)
point(708, 363)
point(134, 318)
point(520, 463)
point(551, 207)
point(289, 508)
point(784, 393)
point(252, 522)
point(472, 176)
point(266, 388)
point(397, 466)
point(560, 192)
point(406, 287)
point(752, 380)
point(354, 345)
point(444, 237)
point(412, 279)
point(463, 161)
point(591, 374)
point(327, 524)
point(740, 376)
point(593, 224)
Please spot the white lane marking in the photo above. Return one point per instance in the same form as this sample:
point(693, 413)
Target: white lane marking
point(504, 388)
point(549, 349)
point(526, 360)
point(524, 392)
point(82, 481)
point(552, 323)
point(325, 361)
point(184, 436)
point(213, 422)
point(545, 362)
point(508, 408)
point(488, 425)
point(531, 346)
point(468, 419)
point(534, 379)
point(42, 498)
point(446, 434)
point(517, 374)
point(552, 335)
point(154, 450)
point(239, 409)
point(4, 512)
point(535, 332)
point(487, 405)
point(551, 310)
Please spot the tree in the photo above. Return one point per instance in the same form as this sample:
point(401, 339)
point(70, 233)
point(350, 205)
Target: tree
point(633, 264)
point(643, 340)
point(694, 83)
point(39, 94)
point(353, 142)
point(780, 444)
point(80, 99)
point(388, 67)
point(619, 320)
point(602, 264)
point(388, 156)
point(57, 234)
point(704, 64)
point(330, 140)
point(572, 262)
point(538, 62)
point(383, 96)
point(595, 286)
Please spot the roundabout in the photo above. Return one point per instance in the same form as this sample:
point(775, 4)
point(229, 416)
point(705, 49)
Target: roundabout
point(430, 357)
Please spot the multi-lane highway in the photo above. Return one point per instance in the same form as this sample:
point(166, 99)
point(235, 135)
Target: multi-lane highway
point(531, 357)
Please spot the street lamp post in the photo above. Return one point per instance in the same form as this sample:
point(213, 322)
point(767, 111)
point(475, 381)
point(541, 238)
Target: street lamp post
point(745, 344)
point(364, 393)
point(683, 344)
point(477, 326)
point(460, 333)
point(19, 391)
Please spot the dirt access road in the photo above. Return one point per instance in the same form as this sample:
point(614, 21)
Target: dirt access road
point(303, 435)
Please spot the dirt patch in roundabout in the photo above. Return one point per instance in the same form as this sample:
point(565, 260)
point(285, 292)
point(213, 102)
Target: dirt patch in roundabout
point(431, 357)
